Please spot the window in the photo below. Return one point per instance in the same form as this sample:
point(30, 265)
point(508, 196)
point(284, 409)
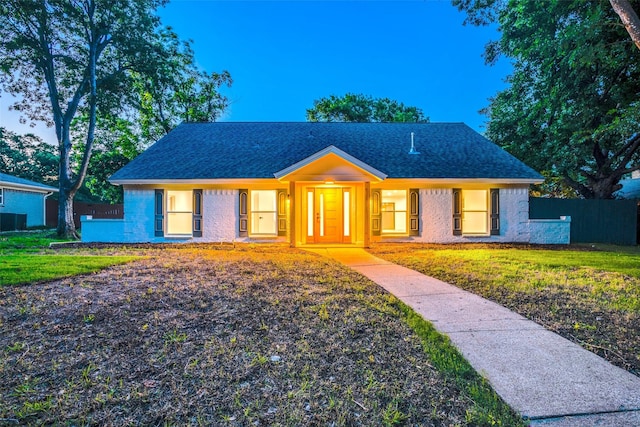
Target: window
point(263, 212)
point(1, 196)
point(476, 212)
point(179, 212)
point(394, 211)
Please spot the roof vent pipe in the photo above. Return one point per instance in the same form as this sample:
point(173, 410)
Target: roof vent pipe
point(413, 148)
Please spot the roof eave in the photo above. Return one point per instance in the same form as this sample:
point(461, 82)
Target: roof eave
point(34, 188)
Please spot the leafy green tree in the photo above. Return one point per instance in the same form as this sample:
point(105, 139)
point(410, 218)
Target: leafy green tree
point(177, 91)
point(27, 156)
point(64, 58)
point(363, 108)
point(572, 107)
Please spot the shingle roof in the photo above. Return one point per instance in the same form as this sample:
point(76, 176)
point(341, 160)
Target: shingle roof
point(258, 150)
point(11, 180)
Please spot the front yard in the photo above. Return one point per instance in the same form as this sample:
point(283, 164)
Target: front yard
point(217, 335)
point(587, 294)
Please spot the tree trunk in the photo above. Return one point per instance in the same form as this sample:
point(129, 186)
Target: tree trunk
point(66, 225)
point(629, 18)
point(604, 188)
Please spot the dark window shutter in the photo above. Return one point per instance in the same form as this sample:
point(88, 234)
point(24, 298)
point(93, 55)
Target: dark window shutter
point(243, 225)
point(414, 212)
point(457, 211)
point(197, 213)
point(495, 211)
point(282, 212)
point(376, 212)
point(158, 212)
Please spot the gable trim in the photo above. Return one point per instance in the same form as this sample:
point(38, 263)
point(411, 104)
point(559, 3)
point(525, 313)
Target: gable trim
point(331, 150)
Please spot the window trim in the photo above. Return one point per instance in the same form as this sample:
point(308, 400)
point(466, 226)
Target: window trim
point(1, 196)
point(406, 213)
point(485, 211)
point(250, 213)
point(167, 212)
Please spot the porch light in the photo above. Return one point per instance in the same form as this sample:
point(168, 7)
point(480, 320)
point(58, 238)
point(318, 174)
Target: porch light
point(329, 182)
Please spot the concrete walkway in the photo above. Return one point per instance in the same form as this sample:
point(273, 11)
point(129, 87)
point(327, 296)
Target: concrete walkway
point(546, 378)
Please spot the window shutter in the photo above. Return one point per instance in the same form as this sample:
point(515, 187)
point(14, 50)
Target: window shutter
point(158, 211)
point(197, 213)
point(243, 217)
point(495, 211)
point(376, 212)
point(457, 211)
point(282, 212)
point(414, 212)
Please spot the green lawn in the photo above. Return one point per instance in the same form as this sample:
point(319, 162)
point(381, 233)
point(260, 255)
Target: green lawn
point(21, 269)
point(26, 257)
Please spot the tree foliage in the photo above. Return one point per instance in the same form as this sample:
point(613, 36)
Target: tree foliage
point(27, 156)
point(363, 108)
point(177, 91)
point(571, 109)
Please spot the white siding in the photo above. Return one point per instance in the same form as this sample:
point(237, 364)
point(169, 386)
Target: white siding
point(24, 202)
point(437, 218)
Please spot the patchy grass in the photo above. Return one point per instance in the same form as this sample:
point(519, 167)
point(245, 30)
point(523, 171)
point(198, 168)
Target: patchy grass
point(197, 335)
point(589, 296)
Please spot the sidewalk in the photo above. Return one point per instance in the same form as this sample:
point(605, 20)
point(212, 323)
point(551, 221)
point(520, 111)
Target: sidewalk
point(544, 377)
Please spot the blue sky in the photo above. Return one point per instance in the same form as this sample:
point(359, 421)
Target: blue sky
point(283, 55)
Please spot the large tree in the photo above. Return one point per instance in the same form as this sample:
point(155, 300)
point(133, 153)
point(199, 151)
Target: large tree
point(66, 58)
point(362, 108)
point(572, 106)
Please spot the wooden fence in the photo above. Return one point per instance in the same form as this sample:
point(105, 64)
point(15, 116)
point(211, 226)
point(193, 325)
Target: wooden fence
point(98, 210)
point(592, 221)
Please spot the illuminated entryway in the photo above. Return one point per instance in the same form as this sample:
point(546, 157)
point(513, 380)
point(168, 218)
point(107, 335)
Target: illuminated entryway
point(328, 215)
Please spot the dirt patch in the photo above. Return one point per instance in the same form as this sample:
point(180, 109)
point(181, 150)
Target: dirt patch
point(216, 336)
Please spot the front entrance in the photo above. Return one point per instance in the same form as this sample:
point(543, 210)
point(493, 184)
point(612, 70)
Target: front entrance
point(328, 218)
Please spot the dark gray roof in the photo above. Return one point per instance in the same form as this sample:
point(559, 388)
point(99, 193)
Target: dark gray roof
point(21, 182)
point(258, 150)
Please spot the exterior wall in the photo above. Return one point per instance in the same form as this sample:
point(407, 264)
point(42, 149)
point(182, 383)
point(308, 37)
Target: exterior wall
point(139, 215)
point(550, 231)
point(101, 230)
point(219, 216)
point(437, 219)
point(24, 202)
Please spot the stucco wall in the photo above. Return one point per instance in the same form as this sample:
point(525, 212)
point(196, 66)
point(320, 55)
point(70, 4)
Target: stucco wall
point(219, 216)
point(437, 219)
point(24, 202)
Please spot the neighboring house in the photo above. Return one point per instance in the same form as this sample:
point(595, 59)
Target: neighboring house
point(20, 197)
point(322, 183)
point(630, 187)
